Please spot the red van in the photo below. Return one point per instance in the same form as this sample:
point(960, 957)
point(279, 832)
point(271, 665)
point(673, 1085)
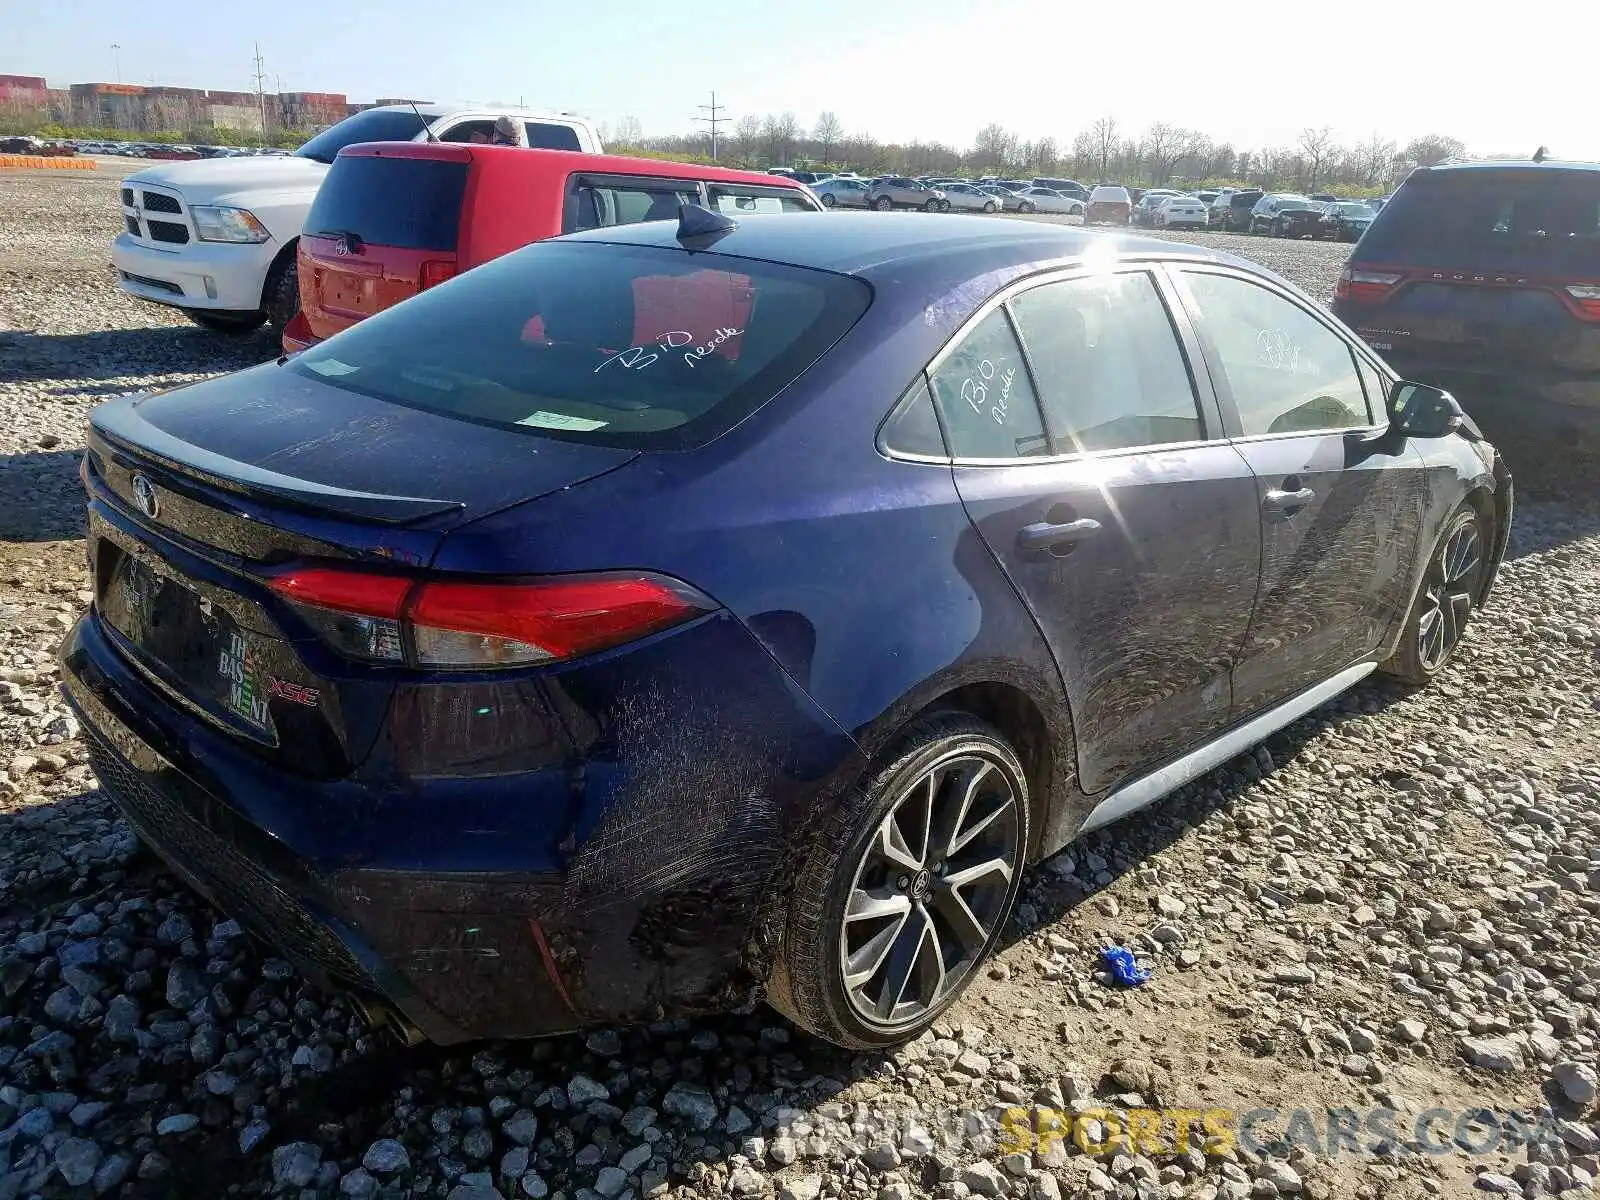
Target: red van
point(393, 218)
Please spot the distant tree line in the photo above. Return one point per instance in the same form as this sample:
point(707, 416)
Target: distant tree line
point(1161, 154)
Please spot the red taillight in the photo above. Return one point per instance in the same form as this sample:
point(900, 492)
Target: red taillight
point(1365, 287)
point(1585, 299)
point(466, 624)
point(435, 271)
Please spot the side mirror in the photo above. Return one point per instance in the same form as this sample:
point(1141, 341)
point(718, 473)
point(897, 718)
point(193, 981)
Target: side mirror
point(1420, 410)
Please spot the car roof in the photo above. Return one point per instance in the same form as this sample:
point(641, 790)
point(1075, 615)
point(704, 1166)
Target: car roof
point(867, 243)
point(510, 110)
point(569, 161)
point(1503, 164)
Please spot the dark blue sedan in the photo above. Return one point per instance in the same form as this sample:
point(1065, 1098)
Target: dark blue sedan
point(682, 613)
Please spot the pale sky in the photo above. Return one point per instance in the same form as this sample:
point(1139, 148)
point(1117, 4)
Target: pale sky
point(1501, 78)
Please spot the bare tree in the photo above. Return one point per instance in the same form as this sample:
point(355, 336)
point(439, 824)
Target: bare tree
point(779, 133)
point(827, 134)
point(746, 138)
point(1373, 160)
point(1047, 155)
point(1317, 147)
point(1432, 150)
point(629, 131)
point(1102, 143)
point(994, 147)
point(1164, 146)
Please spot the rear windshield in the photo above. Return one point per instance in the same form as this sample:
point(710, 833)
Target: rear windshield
point(409, 203)
point(1241, 199)
point(1548, 218)
point(636, 346)
point(374, 125)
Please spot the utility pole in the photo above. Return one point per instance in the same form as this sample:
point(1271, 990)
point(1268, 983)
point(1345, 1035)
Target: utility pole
point(116, 59)
point(713, 121)
point(261, 93)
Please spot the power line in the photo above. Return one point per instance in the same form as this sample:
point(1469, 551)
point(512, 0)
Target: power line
point(713, 121)
point(261, 94)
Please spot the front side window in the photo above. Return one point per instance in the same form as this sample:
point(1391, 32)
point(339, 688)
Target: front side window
point(1377, 389)
point(1287, 371)
point(985, 397)
point(743, 200)
point(647, 347)
point(469, 131)
point(1109, 367)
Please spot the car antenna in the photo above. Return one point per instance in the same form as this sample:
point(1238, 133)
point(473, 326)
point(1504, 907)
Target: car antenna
point(1542, 153)
point(426, 128)
point(702, 226)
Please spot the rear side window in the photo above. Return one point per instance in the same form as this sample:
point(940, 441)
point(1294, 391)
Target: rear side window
point(985, 397)
point(544, 136)
point(638, 346)
point(912, 428)
point(1108, 364)
point(410, 203)
point(1478, 217)
point(597, 204)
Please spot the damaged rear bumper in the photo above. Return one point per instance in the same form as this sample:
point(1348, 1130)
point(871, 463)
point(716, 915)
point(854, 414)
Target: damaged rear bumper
point(665, 892)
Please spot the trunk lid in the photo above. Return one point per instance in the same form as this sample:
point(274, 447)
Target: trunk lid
point(383, 227)
point(199, 495)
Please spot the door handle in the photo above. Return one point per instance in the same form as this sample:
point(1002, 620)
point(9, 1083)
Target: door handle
point(1281, 500)
point(1046, 535)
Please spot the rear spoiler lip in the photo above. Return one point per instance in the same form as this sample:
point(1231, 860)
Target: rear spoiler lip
point(120, 428)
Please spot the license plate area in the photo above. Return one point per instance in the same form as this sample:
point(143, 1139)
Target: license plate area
point(190, 642)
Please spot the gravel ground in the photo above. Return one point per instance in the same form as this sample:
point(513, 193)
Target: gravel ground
point(1392, 905)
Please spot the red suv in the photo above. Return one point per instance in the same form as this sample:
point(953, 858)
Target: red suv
point(393, 218)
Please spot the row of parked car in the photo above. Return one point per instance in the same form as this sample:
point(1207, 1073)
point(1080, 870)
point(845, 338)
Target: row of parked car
point(27, 144)
point(934, 194)
point(1239, 210)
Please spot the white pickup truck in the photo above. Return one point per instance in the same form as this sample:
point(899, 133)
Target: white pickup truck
point(216, 237)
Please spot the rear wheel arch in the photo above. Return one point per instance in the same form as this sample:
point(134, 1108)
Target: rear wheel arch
point(1013, 713)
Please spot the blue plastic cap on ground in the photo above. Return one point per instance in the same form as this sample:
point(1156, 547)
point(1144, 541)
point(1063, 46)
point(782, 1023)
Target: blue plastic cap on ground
point(1124, 967)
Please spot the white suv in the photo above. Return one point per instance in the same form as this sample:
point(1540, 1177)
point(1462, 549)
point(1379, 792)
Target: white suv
point(216, 237)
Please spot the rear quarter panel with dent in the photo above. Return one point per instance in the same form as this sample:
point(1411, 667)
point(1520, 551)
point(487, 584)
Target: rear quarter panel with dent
point(862, 577)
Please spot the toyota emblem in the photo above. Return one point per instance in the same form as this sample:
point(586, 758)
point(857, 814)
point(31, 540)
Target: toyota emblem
point(144, 494)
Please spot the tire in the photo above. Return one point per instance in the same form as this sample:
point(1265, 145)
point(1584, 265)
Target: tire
point(1026, 207)
point(1452, 585)
point(827, 200)
point(883, 204)
point(281, 296)
point(852, 859)
point(930, 206)
point(226, 322)
point(991, 207)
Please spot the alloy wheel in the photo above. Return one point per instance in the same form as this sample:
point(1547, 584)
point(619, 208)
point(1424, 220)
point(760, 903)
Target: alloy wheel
point(930, 890)
point(1454, 579)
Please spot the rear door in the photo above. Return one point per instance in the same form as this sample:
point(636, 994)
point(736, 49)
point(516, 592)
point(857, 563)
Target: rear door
point(1483, 268)
point(1340, 505)
point(1128, 523)
point(380, 227)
